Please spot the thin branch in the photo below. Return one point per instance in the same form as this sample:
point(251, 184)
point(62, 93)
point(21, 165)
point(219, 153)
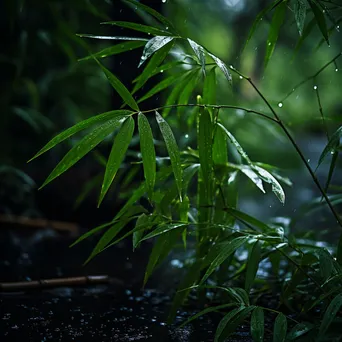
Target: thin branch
point(311, 77)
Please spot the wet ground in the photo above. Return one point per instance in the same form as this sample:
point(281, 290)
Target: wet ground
point(120, 311)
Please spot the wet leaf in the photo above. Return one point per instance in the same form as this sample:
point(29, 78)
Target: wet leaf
point(246, 170)
point(326, 264)
point(142, 220)
point(223, 67)
point(331, 168)
point(116, 49)
point(163, 229)
point(220, 150)
point(168, 24)
point(277, 22)
point(117, 154)
point(209, 87)
point(280, 328)
point(160, 86)
point(257, 324)
point(199, 52)
point(254, 259)
point(320, 19)
point(299, 330)
point(152, 65)
point(119, 87)
point(300, 14)
point(148, 152)
point(98, 119)
point(89, 142)
point(173, 151)
point(330, 315)
point(226, 249)
point(139, 27)
point(85, 35)
point(152, 46)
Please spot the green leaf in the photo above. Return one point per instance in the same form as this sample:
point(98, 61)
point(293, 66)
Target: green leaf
point(117, 154)
point(199, 52)
point(159, 87)
point(248, 219)
point(299, 330)
point(230, 322)
point(205, 151)
point(259, 18)
point(148, 152)
point(330, 315)
point(80, 127)
point(168, 24)
point(277, 22)
point(252, 265)
point(163, 229)
point(142, 220)
point(307, 30)
point(119, 87)
point(154, 45)
point(300, 14)
point(280, 328)
point(116, 49)
point(89, 142)
point(257, 324)
point(268, 178)
point(254, 177)
point(320, 19)
point(139, 27)
point(326, 264)
point(220, 150)
point(331, 168)
point(223, 67)
point(226, 249)
point(209, 87)
point(173, 151)
point(84, 35)
point(152, 66)
point(331, 147)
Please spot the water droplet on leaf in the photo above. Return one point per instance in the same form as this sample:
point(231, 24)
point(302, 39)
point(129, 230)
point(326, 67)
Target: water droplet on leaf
point(280, 104)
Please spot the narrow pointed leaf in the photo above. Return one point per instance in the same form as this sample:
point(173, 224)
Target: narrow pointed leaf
point(277, 22)
point(139, 27)
point(332, 146)
point(253, 177)
point(331, 168)
point(159, 87)
point(299, 330)
point(92, 36)
point(257, 324)
point(154, 45)
point(117, 154)
point(226, 249)
point(168, 24)
point(89, 142)
point(209, 87)
point(326, 264)
point(223, 323)
point(223, 67)
point(252, 265)
point(199, 52)
point(280, 328)
point(330, 314)
point(163, 229)
point(148, 152)
point(116, 49)
point(152, 66)
point(220, 150)
point(173, 151)
point(142, 220)
point(320, 19)
point(300, 14)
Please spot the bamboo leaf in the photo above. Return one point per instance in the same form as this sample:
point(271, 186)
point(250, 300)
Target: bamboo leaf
point(139, 27)
point(252, 265)
point(148, 152)
point(142, 221)
point(114, 50)
point(320, 20)
point(117, 154)
point(159, 87)
point(168, 24)
point(89, 142)
point(331, 147)
point(220, 150)
point(223, 67)
point(300, 14)
point(119, 87)
point(152, 66)
point(331, 168)
point(226, 249)
point(163, 229)
point(199, 52)
point(254, 177)
point(277, 22)
point(299, 330)
point(330, 315)
point(257, 324)
point(120, 114)
point(154, 45)
point(209, 87)
point(85, 35)
point(280, 328)
point(173, 151)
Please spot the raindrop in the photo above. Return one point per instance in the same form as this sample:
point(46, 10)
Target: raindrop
point(161, 71)
point(186, 136)
point(315, 87)
point(230, 66)
point(336, 69)
point(269, 44)
point(240, 77)
point(166, 28)
point(163, 1)
point(308, 160)
point(332, 152)
point(280, 104)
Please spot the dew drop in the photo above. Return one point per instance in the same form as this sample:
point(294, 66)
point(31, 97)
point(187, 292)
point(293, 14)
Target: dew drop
point(161, 71)
point(308, 160)
point(186, 136)
point(315, 87)
point(163, 1)
point(336, 69)
point(280, 104)
point(240, 77)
